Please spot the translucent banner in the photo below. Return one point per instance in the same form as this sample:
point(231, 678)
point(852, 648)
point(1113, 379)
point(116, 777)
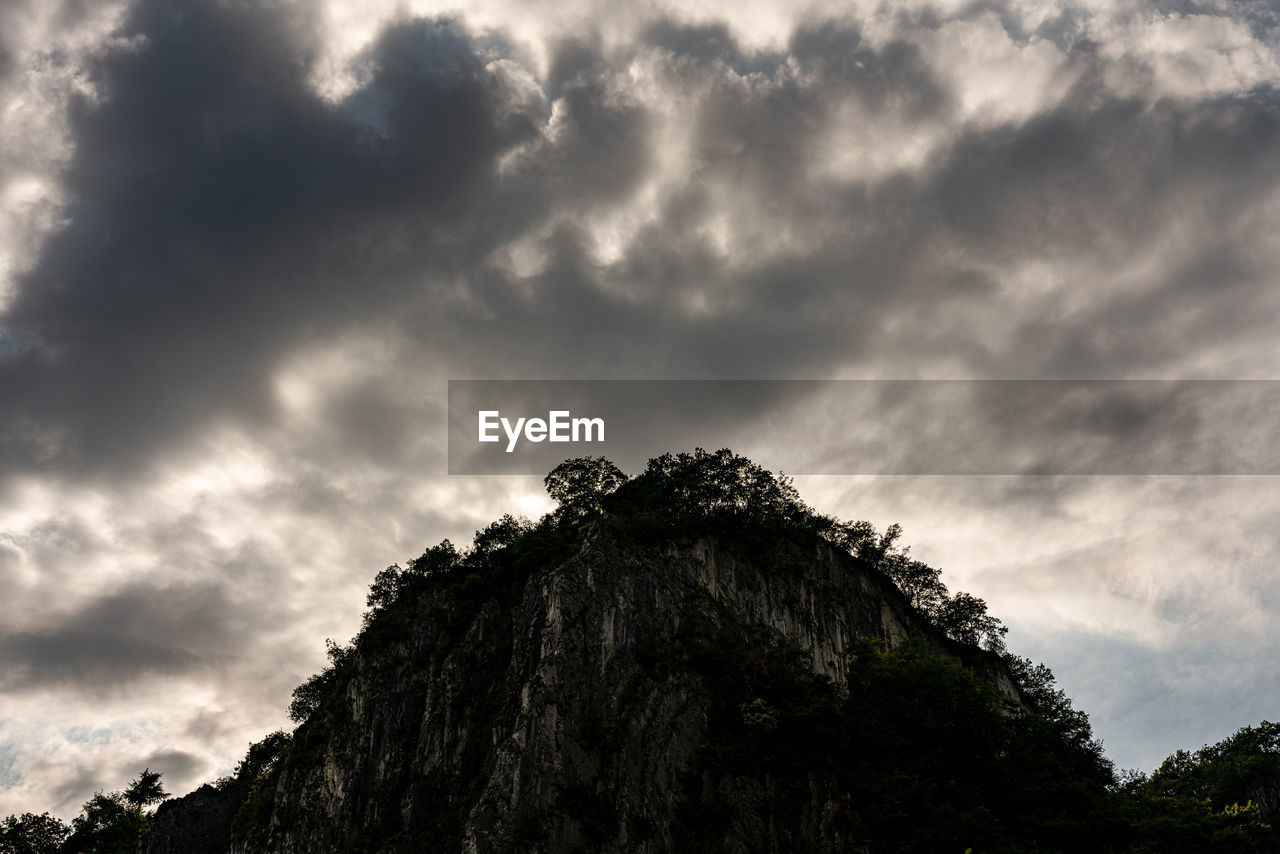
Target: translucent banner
point(899, 427)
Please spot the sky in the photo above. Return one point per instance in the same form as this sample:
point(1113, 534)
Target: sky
point(245, 245)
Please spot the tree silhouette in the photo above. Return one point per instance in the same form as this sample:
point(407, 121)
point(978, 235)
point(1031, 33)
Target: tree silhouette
point(32, 834)
point(579, 485)
point(107, 824)
point(145, 790)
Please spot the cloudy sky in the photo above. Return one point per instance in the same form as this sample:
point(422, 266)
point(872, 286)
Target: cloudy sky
point(244, 245)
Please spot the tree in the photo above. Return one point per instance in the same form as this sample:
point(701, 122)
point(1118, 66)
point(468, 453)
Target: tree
point(384, 589)
point(263, 756)
point(965, 619)
point(855, 538)
point(920, 583)
point(438, 558)
point(110, 822)
point(1243, 768)
point(678, 489)
point(107, 824)
point(500, 534)
point(309, 697)
point(579, 485)
point(32, 834)
point(145, 790)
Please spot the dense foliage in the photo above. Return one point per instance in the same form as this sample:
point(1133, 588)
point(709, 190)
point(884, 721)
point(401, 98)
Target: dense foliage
point(927, 754)
point(1244, 768)
point(116, 822)
point(32, 834)
point(108, 823)
point(1222, 798)
point(932, 759)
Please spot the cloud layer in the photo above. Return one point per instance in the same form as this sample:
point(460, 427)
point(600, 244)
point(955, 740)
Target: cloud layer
point(244, 246)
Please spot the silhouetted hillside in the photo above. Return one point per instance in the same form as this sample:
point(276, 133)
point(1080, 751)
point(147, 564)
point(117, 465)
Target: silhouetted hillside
point(694, 660)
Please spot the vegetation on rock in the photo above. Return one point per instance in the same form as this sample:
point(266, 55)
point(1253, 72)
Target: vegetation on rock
point(108, 823)
point(920, 749)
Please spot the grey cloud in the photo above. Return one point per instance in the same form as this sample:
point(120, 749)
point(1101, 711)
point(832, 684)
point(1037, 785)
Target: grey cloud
point(602, 152)
point(225, 215)
point(894, 77)
point(223, 212)
point(137, 632)
point(12, 18)
point(180, 769)
point(1120, 161)
point(708, 46)
point(206, 727)
point(200, 615)
point(87, 660)
point(373, 423)
point(167, 615)
point(68, 794)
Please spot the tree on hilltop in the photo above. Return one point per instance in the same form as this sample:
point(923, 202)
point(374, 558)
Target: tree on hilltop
point(580, 485)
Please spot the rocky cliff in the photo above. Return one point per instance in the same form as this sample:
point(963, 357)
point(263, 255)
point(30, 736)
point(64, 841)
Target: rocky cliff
point(577, 710)
point(198, 823)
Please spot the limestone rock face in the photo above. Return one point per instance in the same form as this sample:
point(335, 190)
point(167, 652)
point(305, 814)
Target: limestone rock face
point(198, 823)
point(567, 718)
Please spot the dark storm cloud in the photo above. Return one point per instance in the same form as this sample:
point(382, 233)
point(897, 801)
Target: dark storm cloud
point(771, 318)
point(84, 659)
point(221, 211)
point(1028, 188)
point(175, 765)
point(135, 633)
point(224, 215)
point(1097, 177)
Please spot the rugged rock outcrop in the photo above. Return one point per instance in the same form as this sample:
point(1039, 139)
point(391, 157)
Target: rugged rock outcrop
point(572, 714)
point(198, 823)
